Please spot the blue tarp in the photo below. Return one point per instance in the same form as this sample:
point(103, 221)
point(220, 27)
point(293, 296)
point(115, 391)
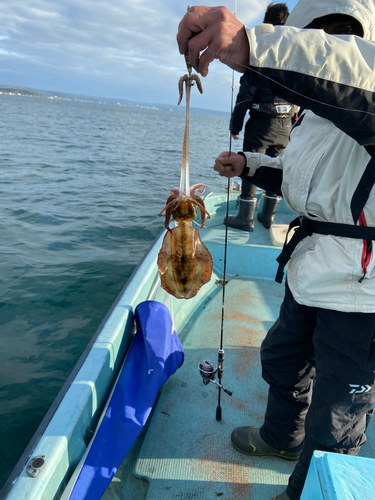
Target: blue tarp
point(155, 354)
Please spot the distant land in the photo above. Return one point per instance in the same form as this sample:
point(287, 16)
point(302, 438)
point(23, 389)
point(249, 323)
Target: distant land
point(53, 94)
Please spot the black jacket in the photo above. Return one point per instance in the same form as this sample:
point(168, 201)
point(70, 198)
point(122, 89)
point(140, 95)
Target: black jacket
point(260, 101)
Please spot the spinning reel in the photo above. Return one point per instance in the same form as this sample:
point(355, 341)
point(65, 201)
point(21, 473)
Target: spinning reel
point(208, 371)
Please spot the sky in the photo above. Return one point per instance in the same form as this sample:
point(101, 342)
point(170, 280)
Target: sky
point(121, 49)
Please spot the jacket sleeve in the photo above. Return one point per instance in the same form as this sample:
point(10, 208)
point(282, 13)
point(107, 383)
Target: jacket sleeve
point(244, 100)
point(264, 171)
point(331, 75)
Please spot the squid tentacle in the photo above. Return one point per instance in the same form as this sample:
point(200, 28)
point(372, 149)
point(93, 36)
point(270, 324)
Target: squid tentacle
point(199, 84)
point(181, 81)
point(202, 209)
point(197, 188)
point(175, 200)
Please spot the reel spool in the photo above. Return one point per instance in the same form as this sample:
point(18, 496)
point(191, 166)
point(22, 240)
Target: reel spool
point(208, 371)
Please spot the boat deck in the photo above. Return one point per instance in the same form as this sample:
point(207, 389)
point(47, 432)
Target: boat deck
point(185, 453)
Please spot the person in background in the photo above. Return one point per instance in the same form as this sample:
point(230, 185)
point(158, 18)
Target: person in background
point(266, 131)
point(322, 60)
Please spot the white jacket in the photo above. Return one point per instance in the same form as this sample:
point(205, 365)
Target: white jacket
point(333, 79)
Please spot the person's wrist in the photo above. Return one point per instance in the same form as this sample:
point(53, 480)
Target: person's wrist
point(246, 169)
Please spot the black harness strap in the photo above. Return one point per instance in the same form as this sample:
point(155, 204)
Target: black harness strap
point(364, 187)
point(288, 248)
point(305, 227)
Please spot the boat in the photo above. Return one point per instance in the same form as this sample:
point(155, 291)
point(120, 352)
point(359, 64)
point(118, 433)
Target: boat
point(184, 450)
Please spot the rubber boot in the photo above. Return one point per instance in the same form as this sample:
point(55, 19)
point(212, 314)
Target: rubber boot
point(248, 440)
point(244, 219)
point(267, 215)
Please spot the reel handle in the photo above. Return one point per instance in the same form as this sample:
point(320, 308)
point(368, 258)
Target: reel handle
point(225, 390)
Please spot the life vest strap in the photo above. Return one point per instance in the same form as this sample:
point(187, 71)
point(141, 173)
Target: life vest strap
point(306, 227)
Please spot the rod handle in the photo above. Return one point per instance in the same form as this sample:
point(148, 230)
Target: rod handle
point(218, 413)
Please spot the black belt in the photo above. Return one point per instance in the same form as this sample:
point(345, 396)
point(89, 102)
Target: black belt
point(305, 227)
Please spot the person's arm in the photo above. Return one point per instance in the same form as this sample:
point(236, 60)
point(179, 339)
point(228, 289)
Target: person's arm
point(264, 171)
point(331, 75)
point(261, 170)
point(244, 100)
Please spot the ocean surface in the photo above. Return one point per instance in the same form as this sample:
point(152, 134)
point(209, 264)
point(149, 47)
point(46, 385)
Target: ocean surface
point(81, 188)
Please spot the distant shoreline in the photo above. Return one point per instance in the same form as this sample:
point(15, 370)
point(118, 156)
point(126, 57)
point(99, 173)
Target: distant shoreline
point(48, 94)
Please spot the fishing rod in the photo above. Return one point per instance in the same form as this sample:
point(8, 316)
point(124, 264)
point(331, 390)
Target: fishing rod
point(207, 368)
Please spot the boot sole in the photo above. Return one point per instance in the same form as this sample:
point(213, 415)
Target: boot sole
point(277, 455)
point(245, 227)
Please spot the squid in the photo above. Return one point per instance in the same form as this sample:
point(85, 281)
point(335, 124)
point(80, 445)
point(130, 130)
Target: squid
point(184, 262)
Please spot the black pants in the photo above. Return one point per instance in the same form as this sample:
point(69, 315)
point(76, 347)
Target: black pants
point(334, 349)
point(267, 135)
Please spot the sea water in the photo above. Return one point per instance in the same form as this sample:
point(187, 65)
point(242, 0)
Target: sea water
point(81, 188)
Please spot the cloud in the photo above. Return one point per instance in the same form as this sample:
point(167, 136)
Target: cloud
point(122, 47)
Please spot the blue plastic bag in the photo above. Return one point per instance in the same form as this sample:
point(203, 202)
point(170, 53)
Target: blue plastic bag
point(155, 354)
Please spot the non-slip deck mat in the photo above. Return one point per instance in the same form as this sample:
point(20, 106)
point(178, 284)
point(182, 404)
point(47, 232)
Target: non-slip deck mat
point(187, 453)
